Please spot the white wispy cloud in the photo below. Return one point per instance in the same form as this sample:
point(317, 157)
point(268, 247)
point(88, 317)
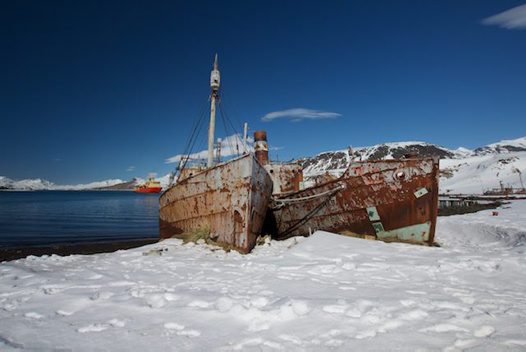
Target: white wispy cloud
point(231, 145)
point(299, 114)
point(514, 18)
point(130, 168)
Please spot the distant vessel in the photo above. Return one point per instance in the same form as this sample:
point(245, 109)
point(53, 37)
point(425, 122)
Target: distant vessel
point(150, 186)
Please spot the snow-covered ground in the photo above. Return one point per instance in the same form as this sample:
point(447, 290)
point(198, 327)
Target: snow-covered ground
point(475, 174)
point(326, 292)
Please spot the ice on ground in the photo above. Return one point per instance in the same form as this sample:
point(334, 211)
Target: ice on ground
point(325, 292)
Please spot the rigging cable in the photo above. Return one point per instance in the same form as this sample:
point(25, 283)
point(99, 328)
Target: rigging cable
point(236, 133)
point(229, 142)
point(191, 141)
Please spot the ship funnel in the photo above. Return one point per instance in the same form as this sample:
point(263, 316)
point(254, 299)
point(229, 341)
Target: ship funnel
point(261, 146)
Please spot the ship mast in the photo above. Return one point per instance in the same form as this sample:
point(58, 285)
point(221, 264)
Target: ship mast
point(214, 85)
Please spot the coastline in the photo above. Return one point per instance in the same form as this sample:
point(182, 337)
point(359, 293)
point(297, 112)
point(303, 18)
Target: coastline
point(8, 254)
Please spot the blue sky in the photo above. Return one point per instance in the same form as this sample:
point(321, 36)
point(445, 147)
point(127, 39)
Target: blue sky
point(93, 90)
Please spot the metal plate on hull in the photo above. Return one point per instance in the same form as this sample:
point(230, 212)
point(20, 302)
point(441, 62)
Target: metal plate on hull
point(418, 233)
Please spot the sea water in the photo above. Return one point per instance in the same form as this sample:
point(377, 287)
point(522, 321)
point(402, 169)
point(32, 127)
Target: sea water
point(53, 217)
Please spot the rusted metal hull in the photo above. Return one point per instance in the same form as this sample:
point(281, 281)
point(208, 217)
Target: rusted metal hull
point(390, 200)
point(228, 202)
point(286, 177)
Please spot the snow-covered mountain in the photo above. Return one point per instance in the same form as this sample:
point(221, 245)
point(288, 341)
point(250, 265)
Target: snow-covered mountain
point(335, 161)
point(502, 147)
point(462, 170)
point(33, 184)
point(44, 185)
point(39, 184)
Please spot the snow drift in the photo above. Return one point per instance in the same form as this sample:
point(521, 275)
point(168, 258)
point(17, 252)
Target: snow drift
point(325, 292)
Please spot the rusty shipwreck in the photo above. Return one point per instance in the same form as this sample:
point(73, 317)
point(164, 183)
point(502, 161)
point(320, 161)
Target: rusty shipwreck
point(235, 201)
point(227, 202)
point(389, 200)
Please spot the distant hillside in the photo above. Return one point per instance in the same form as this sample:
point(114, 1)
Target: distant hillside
point(339, 160)
point(42, 185)
point(502, 147)
point(462, 170)
point(124, 186)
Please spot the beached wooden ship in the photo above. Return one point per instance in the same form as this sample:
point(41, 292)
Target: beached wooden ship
point(233, 202)
point(389, 200)
point(226, 202)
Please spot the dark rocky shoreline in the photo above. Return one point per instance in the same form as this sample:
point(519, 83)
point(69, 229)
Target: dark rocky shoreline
point(7, 254)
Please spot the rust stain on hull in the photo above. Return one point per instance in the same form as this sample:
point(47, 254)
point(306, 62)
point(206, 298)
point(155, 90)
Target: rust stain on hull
point(392, 200)
point(286, 177)
point(228, 201)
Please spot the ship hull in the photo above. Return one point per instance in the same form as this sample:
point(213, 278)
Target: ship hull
point(390, 200)
point(148, 190)
point(228, 202)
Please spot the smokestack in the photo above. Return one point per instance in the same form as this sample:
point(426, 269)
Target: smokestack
point(261, 146)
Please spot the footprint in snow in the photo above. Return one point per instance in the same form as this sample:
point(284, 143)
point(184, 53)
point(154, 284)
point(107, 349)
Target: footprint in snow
point(290, 338)
point(464, 344)
point(467, 299)
point(411, 292)
point(33, 315)
point(171, 297)
point(116, 323)
point(407, 302)
point(259, 302)
point(443, 328)
point(224, 304)
point(415, 314)
point(515, 343)
point(52, 289)
point(174, 326)
point(354, 313)
point(365, 334)
point(347, 288)
point(189, 333)
point(334, 343)
point(390, 325)
point(104, 295)
point(155, 301)
point(484, 331)
point(93, 328)
point(94, 277)
point(199, 304)
point(334, 309)
point(74, 306)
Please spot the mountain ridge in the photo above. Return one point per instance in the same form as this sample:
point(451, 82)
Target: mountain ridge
point(462, 170)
